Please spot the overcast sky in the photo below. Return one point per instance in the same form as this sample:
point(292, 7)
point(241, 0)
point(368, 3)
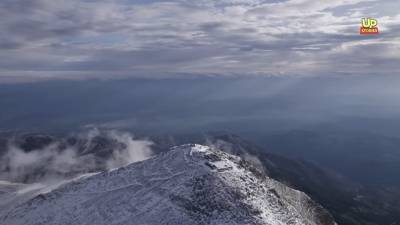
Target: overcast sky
point(71, 39)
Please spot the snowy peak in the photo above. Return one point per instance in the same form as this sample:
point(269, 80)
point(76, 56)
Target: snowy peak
point(190, 184)
point(268, 201)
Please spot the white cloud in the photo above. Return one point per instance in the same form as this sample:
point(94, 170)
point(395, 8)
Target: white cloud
point(81, 39)
point(59, 159)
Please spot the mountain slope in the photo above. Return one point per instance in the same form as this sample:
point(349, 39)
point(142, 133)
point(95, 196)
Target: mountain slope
point(191, 184)
point(349, 202)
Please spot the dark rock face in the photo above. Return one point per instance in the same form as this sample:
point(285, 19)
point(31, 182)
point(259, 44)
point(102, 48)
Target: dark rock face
point(33, 142)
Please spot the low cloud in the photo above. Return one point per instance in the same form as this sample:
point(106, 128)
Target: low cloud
point(91, 151)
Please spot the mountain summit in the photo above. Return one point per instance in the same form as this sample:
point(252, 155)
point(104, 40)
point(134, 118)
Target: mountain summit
point(190, 184)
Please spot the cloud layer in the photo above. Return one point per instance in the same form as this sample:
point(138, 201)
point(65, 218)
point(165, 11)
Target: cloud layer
point(46, 39)
point(91, 151)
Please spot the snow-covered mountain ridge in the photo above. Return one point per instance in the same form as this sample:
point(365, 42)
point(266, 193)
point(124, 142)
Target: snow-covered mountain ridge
point(191, 184)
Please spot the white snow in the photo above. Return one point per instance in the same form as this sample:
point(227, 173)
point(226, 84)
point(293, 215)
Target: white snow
point(191, 184)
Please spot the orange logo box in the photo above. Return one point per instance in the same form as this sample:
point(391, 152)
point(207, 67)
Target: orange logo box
point(369, 26)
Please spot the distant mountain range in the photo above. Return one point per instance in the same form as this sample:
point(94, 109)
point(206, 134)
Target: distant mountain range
point(349, 201)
